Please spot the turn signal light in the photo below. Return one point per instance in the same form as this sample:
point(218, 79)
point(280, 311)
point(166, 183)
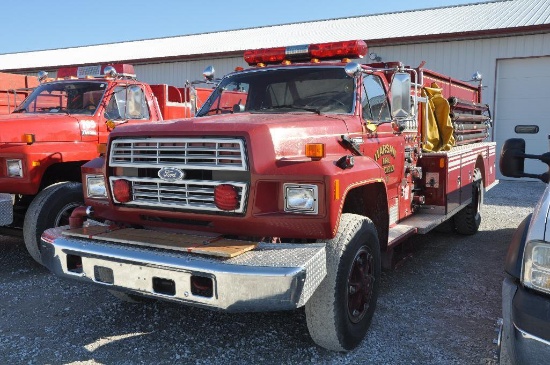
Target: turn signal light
point(226, 197)
point(315, 150)
point(102, 148)
point(28, 138)
point(122, 190)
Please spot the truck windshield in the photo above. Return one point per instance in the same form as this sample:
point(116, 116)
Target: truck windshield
point(284, 90)
point(67, 97)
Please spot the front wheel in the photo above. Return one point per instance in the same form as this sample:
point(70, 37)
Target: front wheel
point(340, 311)
point(52, 207)
point(467, 221)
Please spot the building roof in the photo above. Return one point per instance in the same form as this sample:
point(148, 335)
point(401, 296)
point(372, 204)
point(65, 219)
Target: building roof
point(483, 19)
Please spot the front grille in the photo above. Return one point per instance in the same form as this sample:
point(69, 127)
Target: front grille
point(186, 194)
point(204, 162)
point(190, 153)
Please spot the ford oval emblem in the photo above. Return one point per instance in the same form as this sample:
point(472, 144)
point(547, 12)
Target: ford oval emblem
point(171, 174)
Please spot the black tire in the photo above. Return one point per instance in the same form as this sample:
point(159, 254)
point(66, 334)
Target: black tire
point(337, 318)
point(52, 207)
point(467, 221)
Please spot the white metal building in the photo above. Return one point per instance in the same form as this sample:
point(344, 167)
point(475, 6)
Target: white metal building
point(507, 41)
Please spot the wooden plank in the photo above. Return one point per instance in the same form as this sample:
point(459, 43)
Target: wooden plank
point(202, 245)
point(224, 248)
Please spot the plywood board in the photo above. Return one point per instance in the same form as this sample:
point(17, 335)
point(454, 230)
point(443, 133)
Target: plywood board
point(213, 246)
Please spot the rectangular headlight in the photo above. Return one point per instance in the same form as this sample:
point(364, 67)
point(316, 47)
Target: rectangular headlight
point(536, 266)
point(95, 186)
point(15, 168)
point(301, 198)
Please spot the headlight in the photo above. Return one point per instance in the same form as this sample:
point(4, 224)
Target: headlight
point(301, 198)
point(536, 266)
point(15, 168)
point(95, 185)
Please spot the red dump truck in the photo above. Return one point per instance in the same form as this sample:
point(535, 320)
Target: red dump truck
point(294, 194)
point(46, 139)
point(14, 89)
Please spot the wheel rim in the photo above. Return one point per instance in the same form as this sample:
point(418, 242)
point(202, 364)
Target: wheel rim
point(360, 284)
point(62, 217)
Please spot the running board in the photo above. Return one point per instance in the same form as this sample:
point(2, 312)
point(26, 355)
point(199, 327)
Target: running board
point(420, 223)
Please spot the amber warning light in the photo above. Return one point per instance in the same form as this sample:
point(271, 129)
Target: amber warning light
point(307, 52)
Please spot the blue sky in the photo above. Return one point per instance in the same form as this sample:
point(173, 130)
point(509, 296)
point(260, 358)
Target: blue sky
point(29, 25)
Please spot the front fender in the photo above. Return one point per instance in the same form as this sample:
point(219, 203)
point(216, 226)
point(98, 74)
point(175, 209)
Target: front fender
point(514, 257)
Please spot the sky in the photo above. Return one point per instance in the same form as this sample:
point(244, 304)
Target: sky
point(30, 25)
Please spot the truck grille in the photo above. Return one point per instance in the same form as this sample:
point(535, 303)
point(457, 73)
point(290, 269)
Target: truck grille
point(191, 153)
point(193, 195)
point(205, 164)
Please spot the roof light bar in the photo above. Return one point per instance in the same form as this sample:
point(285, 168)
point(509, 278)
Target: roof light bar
point(324, 51)
point(82, 72)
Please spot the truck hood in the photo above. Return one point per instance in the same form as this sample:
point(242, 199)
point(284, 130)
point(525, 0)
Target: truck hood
point(45, 127)
point(286, 134)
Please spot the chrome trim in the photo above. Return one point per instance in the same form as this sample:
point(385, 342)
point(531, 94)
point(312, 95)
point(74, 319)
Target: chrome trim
point(187, 153)
point(315, 207)
point(271, 277)
point(183, 194)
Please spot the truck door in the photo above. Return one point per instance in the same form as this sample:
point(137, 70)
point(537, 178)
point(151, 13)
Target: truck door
point(382, 144)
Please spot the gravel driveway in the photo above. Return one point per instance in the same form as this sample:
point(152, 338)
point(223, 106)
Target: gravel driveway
point(439, 307)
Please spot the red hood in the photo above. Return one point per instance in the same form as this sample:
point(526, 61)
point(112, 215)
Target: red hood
point(45, 127)
point(285, 133)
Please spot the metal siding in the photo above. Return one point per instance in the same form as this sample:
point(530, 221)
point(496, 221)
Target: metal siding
point(477, 17)
point(177, 73)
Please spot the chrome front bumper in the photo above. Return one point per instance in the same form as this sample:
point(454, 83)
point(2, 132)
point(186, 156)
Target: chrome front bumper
point(270, 277)
point(6, 209)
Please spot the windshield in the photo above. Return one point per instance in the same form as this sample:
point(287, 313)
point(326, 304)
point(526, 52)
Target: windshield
point(67, 97)
point(284, 90)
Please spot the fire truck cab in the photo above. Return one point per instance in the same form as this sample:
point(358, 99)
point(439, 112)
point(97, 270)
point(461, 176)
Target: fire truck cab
point(60, 126)
point(295, 186)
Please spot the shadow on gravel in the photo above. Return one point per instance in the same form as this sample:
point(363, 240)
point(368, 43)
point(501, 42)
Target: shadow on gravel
point(518, 193)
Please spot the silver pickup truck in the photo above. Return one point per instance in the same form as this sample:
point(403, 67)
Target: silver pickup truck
point(524, 336)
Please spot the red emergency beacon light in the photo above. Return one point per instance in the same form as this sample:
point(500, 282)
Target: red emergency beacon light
point(82, 72)
point(306, 52)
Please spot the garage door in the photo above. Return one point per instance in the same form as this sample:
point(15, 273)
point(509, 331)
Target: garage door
point(522, 106)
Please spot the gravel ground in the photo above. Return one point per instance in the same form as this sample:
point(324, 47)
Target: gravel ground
point(439, 307)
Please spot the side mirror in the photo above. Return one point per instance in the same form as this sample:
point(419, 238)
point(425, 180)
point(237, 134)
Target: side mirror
point(209, 72)
point(353, 69)
point(401, 95)
point(512, 158)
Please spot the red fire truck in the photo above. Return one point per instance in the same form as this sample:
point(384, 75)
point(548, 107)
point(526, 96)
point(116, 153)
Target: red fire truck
point(293, 194)
point(59, 126)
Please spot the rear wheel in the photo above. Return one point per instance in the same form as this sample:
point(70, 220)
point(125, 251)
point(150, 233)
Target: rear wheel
point(467, 221)
point(52, 207)
point(340, 311)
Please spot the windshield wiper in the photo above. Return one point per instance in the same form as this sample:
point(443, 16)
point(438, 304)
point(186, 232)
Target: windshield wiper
point(22, 110)
point(296, 107)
